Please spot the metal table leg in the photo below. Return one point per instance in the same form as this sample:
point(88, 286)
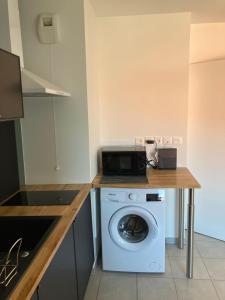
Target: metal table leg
point(181, 219)
point(190, 238)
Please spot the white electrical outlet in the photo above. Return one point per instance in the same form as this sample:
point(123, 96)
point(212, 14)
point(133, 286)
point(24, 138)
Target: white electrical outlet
point(167, 140)
point(158, 140)
point(57, 168)
point(177, 140)
point(139, 140)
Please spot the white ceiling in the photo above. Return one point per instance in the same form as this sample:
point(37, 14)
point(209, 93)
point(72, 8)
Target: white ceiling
point(203, 11)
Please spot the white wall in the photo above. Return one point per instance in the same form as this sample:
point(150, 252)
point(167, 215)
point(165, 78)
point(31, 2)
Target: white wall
point(207, 42)
point(91, 39)
point(207, 144)
point(64, 64)
point(201, 11)
point(15, 32)
point(144, 77)
point(142, 81)
point(92, 70)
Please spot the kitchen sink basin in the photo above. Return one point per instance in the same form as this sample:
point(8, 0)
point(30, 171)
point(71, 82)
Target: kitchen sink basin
point(28, 233)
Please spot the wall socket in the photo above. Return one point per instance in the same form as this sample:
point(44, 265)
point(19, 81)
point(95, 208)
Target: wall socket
point(167, 140)
point(177, 140)
point(139, 141)
point(158, 140)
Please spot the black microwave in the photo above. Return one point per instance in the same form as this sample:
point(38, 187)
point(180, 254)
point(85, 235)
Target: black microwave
point(124, 161)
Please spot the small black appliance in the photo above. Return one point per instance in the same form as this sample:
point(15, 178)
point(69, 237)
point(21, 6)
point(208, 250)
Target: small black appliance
point(167, 158)
point(124, 161)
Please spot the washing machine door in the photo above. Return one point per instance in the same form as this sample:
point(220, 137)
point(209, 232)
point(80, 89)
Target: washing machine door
point(133, 227)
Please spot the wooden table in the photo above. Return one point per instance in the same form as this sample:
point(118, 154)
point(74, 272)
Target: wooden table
point(179, 179)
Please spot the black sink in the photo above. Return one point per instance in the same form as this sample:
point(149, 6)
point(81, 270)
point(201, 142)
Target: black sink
point(33, 231)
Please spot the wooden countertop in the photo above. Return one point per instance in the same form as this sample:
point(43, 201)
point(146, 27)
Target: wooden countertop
point(32, 276)
point(179, 178)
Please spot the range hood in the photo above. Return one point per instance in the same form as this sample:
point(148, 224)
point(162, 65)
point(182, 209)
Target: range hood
point(35, 86)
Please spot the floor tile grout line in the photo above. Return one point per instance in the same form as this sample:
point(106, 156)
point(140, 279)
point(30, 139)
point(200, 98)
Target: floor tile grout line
point(208, 238)
point(183, 254)
point(100, 280)
point(211, 243)
point(202, 258)
point(172, 276)
point(177, 277)
point(215, 290)
point(136, 286)
point(194, 279)
point(212, 258)
point(223, 280)
point(209, 276)
point(183, 257)
point(174, 281)
point(170, 266)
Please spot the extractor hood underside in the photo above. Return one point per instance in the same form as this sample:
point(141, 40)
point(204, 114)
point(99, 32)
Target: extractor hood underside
point(35, 86)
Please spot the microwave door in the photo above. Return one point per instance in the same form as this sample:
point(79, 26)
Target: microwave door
point(111, 164)
point(131, 164)
point(126, 163)
point(119, 164)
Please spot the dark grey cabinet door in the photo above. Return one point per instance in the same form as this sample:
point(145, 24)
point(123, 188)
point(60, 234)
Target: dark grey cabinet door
point(59, 281)
point(9, 176)
point(84, 250)
point(35, 296)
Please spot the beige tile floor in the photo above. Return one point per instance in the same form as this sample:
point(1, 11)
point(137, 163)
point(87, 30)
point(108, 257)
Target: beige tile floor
point(208, 282)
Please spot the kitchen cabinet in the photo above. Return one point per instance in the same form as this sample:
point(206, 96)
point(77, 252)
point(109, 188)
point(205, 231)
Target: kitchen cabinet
point(59, 281)
point(35, 296)
point(9, 176)
point(84, 251)
point(68, 274)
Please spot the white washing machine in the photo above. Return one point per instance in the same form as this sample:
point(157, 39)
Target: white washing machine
point(133, 229)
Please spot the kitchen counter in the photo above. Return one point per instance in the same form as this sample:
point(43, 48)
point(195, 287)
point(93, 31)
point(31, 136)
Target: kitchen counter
point(177, 179)
point(32, 276)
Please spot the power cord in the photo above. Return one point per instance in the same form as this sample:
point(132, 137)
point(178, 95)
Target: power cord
point(152, 162)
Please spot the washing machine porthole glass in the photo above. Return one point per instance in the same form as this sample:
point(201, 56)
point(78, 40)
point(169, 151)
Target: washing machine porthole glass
point(133, 228)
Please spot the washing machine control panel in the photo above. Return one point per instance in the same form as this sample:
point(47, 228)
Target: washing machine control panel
point(132, 195)
point(153, 197)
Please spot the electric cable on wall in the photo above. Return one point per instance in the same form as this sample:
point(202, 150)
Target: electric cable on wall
point(57, 166)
